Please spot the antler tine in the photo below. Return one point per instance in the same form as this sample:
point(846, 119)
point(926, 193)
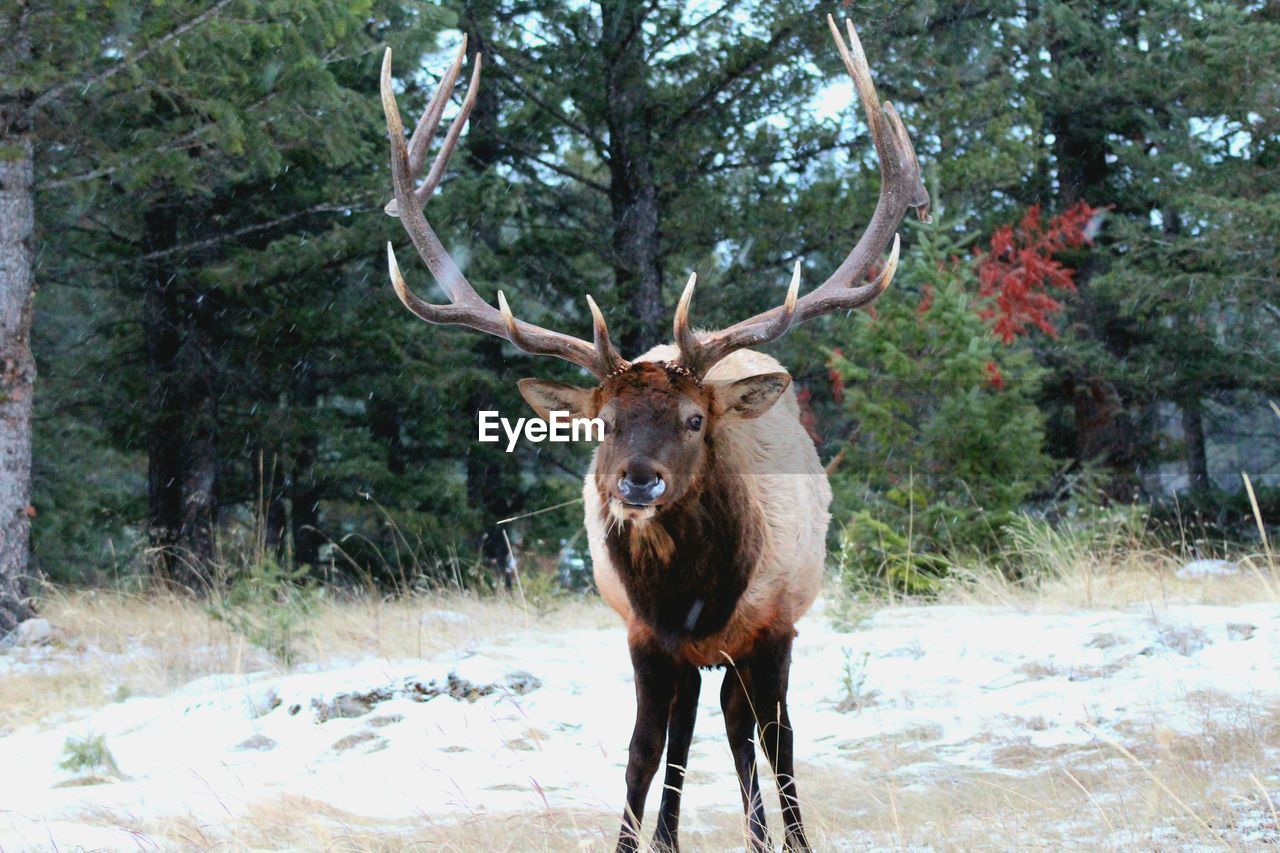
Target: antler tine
point(411, 300)
point(855, 62)
point(871, 292)
point(892, 140)
point(919, 201)
point(703, 354)
point(513, 327)
point(451, 138)
point(465, 307)
point(420, 142)
point(900, 184)
point(900, 189)
point(611, 360)
point(415, 224)
point(426, 130)
point(686, 340)
point(783, 322)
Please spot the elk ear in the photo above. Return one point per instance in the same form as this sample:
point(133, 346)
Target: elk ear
point(752, 397)
point(547, 397)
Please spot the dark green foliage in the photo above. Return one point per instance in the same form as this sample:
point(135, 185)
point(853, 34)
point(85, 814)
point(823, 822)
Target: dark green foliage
point(214, 308)
point(269, 606)
point(944, 437)
point(225, 187)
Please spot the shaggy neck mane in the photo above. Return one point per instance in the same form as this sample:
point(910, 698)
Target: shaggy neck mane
point(685, 568)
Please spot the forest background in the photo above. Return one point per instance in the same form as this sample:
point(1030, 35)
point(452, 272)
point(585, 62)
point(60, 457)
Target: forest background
point(206, 365)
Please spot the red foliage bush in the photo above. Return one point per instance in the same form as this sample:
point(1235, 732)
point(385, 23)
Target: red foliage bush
point(1019, 271)
point(837, 381)
point(994, 377)
point(926, 301)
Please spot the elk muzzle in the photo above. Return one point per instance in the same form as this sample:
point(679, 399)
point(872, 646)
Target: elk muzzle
point(641, 485)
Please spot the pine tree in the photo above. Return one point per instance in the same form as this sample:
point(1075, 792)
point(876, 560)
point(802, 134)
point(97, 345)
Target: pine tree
point(180, 171)
point(1157, 111)
point(623, 147)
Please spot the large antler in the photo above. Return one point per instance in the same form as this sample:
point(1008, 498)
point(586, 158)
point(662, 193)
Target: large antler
point(900, 189)
point(465, 307)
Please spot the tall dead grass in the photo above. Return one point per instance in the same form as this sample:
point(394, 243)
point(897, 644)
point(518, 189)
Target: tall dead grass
point(1111, 563)
point(112, 644)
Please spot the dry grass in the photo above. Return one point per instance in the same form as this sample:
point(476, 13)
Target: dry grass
point(111, 645)
point(1158, 789)
point(1137, 577)
point(1108, 564)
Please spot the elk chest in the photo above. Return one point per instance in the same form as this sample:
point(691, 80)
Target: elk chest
point(685, 569)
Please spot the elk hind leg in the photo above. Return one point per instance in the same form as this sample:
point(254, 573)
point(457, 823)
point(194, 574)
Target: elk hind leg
point(771, 669)
point(740, 723)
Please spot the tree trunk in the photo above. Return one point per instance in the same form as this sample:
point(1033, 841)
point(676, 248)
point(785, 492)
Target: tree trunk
point(1103, 429)
point(275, 513)
point(493, 478)
point(633, 192)
point(305, 505)
point(304, 491)
point(168, 419)
point(198, 534)
point(385, 427)
point(484, 139)
point(182, 454)
point(17, 367)
point(1081, 154)
point(1193, 446)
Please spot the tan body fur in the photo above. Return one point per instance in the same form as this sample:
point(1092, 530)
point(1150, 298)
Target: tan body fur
point(787, 488)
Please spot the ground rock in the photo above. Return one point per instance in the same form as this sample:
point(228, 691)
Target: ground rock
point(33, 632)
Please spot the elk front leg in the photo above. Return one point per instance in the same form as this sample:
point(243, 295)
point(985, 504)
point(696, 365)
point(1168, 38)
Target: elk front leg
point(771, 668)
point(684, 711)
point(740, 723)
point(655, 675)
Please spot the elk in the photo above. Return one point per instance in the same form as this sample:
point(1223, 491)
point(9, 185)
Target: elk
point(706, 504)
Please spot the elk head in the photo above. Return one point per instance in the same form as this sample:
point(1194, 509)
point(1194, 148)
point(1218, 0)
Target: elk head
point(660, 416)
point(660, 419)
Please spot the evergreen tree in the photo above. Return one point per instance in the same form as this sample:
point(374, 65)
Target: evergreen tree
point(219, 344)
point(1156, 110)
point(180, 175)
point(617, 150)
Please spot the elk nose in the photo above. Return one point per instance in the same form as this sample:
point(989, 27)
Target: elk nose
point(642, 485)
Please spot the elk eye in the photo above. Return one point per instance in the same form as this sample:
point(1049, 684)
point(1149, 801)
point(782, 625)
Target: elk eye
point(694, 423)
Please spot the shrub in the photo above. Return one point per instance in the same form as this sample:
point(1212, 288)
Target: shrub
point(269, 606)
point(88, 755)
point(945, 440)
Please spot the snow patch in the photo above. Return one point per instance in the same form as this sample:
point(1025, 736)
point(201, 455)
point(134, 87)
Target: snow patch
point(1207, 569)
point(540, 719)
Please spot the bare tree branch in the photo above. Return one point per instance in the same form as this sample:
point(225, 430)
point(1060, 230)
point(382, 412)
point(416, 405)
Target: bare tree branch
point(560, 170)
point(501, 71)
point(259, 226)
point(680, 33)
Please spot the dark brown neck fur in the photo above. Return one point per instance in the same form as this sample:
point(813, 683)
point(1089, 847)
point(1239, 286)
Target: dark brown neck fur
point(685, 569)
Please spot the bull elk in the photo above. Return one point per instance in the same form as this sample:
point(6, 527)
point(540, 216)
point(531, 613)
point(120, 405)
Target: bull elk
point(706, 505)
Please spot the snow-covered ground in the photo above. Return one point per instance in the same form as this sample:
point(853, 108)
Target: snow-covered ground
point(530, 722)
